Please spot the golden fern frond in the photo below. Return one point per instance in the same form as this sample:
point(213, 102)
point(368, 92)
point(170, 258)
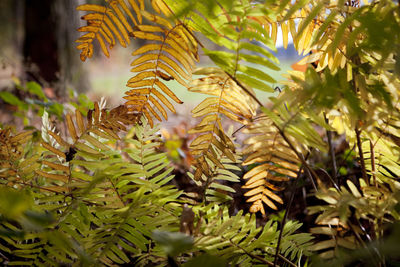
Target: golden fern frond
point(105, 23)
point(344, 212)
point(286, 21)
point(15, 165)
point(323, 30)
point(275, 162)
point(381, 149)
point(170, 56)
point(227, 99)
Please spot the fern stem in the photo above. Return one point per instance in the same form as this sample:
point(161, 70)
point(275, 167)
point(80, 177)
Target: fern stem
point(361, 154)
point(245, 89)
point(293, 191)
point(373, 169)
point(310, 172)
point(116, 191)
point(252, 255)
point(331, 152)
point(287, 261)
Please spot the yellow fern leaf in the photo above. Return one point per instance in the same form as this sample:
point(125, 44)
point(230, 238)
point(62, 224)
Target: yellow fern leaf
point(212, 136)
point(277, 163)
point(104, 24)
point(159, 59)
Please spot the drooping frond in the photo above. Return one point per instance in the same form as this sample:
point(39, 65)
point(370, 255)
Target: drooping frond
point(281, 136)
point(170, 55)
point(108, 23)
point(228, 100)
point(274, 161)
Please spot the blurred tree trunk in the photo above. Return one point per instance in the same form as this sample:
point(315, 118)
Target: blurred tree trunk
point(48, 47)
point(40, 43)
point(72, 71)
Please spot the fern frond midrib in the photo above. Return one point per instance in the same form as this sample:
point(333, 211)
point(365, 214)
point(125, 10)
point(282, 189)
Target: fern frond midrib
point(157, 64)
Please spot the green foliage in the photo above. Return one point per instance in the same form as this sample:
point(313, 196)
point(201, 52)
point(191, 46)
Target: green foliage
point(96, 196)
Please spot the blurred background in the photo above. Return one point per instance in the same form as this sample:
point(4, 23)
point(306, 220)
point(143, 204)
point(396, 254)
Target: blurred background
point(37, 45)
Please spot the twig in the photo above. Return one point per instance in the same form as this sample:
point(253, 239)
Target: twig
point(344, 159)
point(330, 178)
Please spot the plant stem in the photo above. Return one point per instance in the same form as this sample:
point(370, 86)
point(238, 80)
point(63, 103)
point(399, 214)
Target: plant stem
point(331, 152)
point(373, 169)
point(293, 191)
point(309, 170)
point(360, 152)
point(252, 255)
point(286, 260)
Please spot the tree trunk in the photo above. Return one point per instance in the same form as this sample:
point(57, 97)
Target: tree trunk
point(40, 48)
point(49, 54)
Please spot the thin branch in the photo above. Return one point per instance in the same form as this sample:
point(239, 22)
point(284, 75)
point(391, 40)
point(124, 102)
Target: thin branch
point(345, 158)
point(330, 178)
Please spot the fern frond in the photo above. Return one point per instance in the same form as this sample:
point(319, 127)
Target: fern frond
point(341, 219)
point(239, 239)
point(16, 162)
point(147, 202)
point(236, 27)
point(276, 162)
point(61, 154)
point(212, 138)
point(217, 187)
point(169, 56)
point(107, 23)
point(381, 150)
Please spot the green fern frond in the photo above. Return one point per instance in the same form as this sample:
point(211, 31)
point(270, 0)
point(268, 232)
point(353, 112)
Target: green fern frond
point(217, 187)
point(60, 157)
point(238, 239)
